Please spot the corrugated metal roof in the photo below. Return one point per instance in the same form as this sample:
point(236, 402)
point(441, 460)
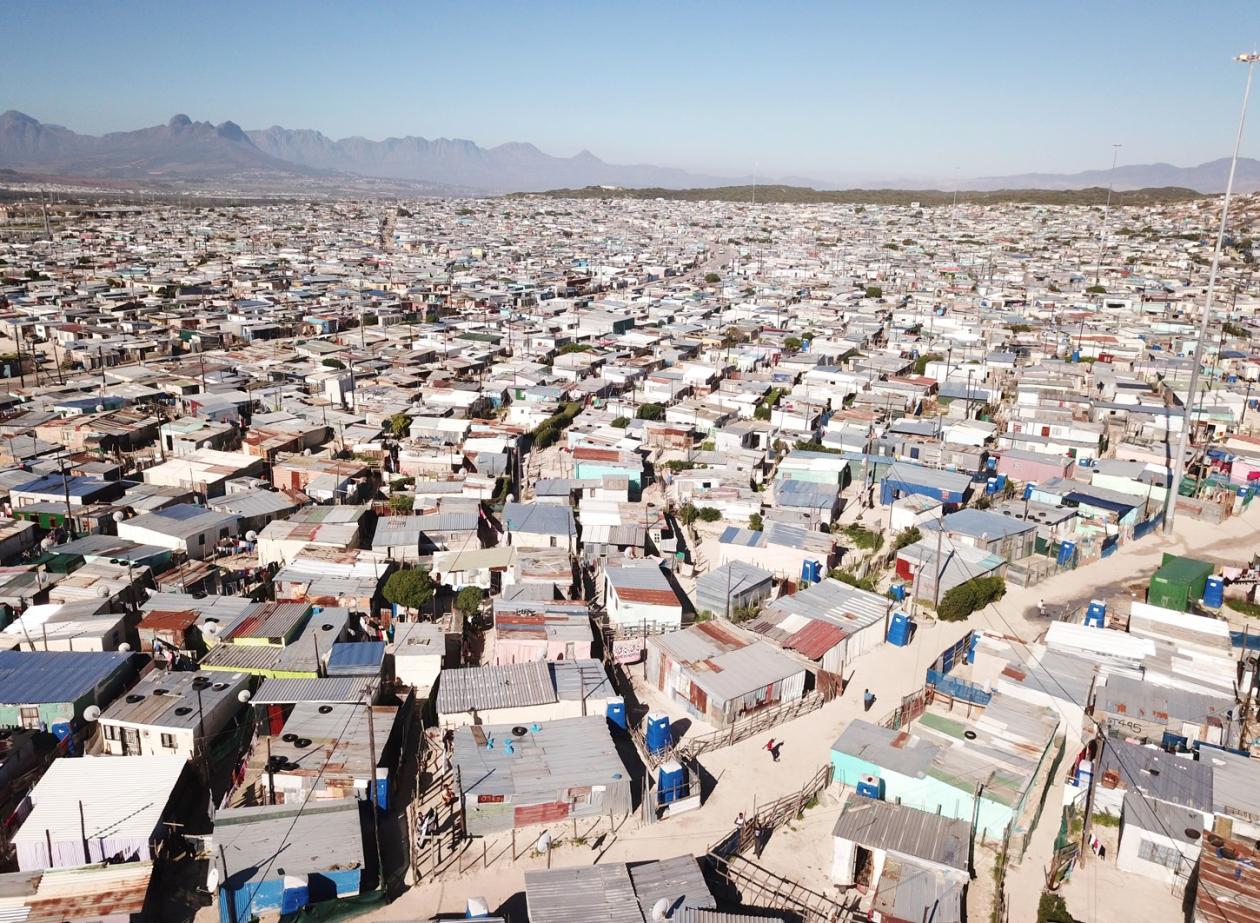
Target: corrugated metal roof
point(122, 797)
point(883, 825)
point(539, 519)
point(930, 478)
point(677, 880)
point(509, 685)
point(583, 894)
point(642, 583)
point(36, 677)
point(320, 690)
point(302, 839)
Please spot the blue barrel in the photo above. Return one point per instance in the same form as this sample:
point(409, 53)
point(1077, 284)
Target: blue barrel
point(671, 782)
point(1096, 614)
point(899, 629)
point(658, 736)
point(1076, 355)
point(615, 711)
point(1214, 592)
point(295, 894)
point(815, 571)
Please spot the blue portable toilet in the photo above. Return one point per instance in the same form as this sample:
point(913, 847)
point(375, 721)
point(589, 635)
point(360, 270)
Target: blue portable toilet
point(972, 640)
point(1067, 552)
point(871, 787)
point(898, 591)
point(1076, 355)
point(1001, 479)
point(806, 572)
point(295, 894)
point(671, 782)
point(1096, 614)
point(658, 737)
point(1214, 592)
point(1028, 490)
point(815, 571)
point(990, 485)
point(899, 629)
point(990, 463)
point(615, 711)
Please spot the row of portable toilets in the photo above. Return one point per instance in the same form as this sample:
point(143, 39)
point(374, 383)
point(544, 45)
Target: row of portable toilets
point(671, 780)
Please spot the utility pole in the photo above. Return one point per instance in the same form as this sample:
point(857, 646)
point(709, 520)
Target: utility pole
point(1089, 797)
point(1102, 234)
point(1179, 457)
point(370, 694)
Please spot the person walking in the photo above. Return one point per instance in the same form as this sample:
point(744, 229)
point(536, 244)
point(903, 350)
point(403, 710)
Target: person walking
point(773, 748)
point(868, 699)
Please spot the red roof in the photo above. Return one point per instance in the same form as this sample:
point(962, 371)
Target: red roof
point(815, 639)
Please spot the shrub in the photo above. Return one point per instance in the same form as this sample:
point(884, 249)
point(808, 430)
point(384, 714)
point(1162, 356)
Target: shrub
point(411, 588)
point(402, 503)
point(906, 537)
point(756, 523)
point(1051, 908)
point(874, 291)
point(333, 363)
point(966, 598)
point(867, 583)
point(864, 538)
point(709, 514)
point(793, 343)
point(1246, 608)
point(621, 422)
point(688, 514)
point(468, 601)
point(650, 412)
point(678, 464)
point(399, 424)
point(712, 278)
point(1096, 290)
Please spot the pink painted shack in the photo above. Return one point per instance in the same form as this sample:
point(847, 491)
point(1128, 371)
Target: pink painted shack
point(1037, 467)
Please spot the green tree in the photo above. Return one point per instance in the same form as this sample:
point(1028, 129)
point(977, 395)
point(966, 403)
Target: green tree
point(399, 424)
point(688, 514)
point(874, 291)
point(966, 598)
point(650, 412)
point(709, 514)
point(921, 364)
point(468, 601)
point(621, 422)
point(1096, 290)
point(410, 588)
point(573, 348)
point(332, 363)
point(793, 343)
point(402, 503)
point(756, 523)
point(712, 278)
point(906, 537)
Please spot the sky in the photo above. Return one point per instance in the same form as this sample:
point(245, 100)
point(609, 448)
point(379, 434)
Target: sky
point(776, 89)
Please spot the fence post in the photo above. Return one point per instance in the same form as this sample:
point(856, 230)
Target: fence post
point(484, 864)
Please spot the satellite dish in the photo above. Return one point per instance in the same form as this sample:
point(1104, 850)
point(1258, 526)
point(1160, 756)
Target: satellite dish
point(118, 516)
point(102, 591)
point(251, 535)
point(100, 408)
point(243, 696)
point(660, 910)
point(544, 842)
point(211, 629)
point(212, 881)
point(124, 647)
point(306, 452)
point(91, 713)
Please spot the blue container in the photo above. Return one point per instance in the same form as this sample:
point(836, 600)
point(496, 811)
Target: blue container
point(658, 736)
point(991, 463)
point(815, 571)
point(671, 782)
point(971, 648)
point(1214, 592)
point(1096, 614)
point(615, 711)
point(991, 486)
point(899, 629)
point(1028, 490)
point(806, 572)
point(898, 591)
point(1001, 481)
point(1067, 551)
point(1076, 355)
point(871, 787)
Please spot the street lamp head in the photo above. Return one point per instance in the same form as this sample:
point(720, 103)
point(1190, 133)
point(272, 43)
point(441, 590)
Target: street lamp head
point(1251, 58)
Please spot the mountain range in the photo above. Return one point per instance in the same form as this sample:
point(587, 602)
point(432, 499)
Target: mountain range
point(185, 152)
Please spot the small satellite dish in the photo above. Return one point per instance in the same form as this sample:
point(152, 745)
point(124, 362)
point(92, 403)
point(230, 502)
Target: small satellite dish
point(91, 713)
point(124, 647)
point(660, 910)
point(251, 535)
point(243, 696)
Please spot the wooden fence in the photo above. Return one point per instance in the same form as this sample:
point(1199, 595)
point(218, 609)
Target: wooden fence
point(762, 888)
point(752, 834)
point(762, 721)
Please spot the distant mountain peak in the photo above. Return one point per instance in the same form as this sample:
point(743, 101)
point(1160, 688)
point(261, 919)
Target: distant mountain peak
point(179, 122)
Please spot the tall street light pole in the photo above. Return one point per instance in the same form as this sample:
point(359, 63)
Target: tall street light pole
point(1102, 235)
point(1179, 457)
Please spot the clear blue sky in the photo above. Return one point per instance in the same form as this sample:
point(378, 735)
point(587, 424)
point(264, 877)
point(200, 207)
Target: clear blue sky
point(870, 89)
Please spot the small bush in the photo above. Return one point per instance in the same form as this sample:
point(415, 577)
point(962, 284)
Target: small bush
point(906, 537)
point(966, 598)
point(709, 514)
point(650, 412)
point(1246, 608)
point(864, 538)
point(756, 523)
point(867, 583)
point(621, 422)
point(1051, 908)
point(874, 291)
point(712, 278)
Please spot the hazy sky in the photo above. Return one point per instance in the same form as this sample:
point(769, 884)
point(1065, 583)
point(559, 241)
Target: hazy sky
point(869, 89)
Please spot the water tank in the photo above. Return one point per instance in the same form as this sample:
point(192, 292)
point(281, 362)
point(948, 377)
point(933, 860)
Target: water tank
point(871, 787)
point(899, 629)
point(1214, 592)
point(615, 711)
point(671, 782)
point(658, 737)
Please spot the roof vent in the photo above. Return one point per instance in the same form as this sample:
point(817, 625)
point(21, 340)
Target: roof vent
point(325, 709)
point(219, 687)
point(161, 691)
point(135, 697)
point(183, 710)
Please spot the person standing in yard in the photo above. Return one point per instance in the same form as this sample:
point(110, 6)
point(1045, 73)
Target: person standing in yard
point(773, 748)
point(868, 699)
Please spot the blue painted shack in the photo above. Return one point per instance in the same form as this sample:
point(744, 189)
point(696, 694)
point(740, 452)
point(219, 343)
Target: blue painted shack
point(284, 857)
point(904, 479)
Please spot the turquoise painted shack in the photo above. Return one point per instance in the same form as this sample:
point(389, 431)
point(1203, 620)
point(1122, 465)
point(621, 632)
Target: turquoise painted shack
point(938, 765)
point(39, 689)
point(590, 464)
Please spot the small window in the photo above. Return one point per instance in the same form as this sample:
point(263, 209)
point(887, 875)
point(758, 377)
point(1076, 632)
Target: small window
point(168, 741)
point(201, 539)
point(1166, 856)
point(30, 717)
point(223, 533)
point(111, 731)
